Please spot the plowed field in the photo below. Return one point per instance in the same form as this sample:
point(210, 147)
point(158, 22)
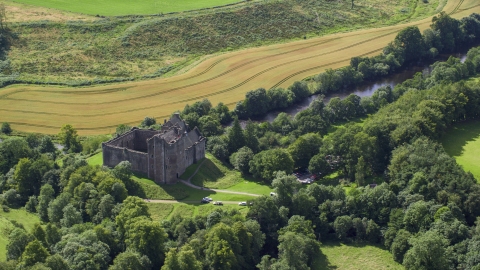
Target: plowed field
point(224, 78)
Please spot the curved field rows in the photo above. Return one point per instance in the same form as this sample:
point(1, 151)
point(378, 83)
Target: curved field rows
point(224, 78)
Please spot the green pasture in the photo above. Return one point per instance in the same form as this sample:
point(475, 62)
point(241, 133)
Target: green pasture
point(6, 226)
point(462, 142)
point(335, 255)
point(126, 7)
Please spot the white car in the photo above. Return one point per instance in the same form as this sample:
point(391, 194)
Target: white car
point(242, 203)
point(273, 194)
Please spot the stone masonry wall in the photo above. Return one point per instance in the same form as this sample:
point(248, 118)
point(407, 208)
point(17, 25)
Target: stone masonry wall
point(113, 155)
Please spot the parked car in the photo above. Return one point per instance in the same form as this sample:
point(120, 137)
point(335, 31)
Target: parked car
point(208, 199)
point(242, 203)
point(273, 194)
point(218, 203)
point(204, 201)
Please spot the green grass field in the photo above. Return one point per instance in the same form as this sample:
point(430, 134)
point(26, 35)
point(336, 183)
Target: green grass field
point(19, 215)
point(354, 257)
point(218, 175)
point(462, 142)
point(126, 7)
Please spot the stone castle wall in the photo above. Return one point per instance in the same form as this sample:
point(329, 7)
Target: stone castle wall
point(112, 155)
point(150, 153)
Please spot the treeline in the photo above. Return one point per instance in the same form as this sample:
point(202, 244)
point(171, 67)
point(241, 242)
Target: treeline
point(446, 35)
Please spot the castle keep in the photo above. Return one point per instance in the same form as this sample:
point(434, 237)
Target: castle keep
point(163, 154)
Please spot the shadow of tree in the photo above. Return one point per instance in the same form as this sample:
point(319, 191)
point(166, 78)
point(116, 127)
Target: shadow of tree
point(459, 135)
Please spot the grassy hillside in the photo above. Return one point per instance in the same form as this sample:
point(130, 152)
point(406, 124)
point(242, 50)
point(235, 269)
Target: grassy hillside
point(355, 257)
point(161, 211)
point(115, 49)
point(217, 175)
point(462, 142)
point(19, 215)
point(126, 7)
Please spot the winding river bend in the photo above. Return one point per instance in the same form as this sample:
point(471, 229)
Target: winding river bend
point(367, 88)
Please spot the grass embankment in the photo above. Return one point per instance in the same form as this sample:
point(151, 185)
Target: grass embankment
point(126, 7)
point(161, 211)
point(96, 159)
point(462, 142)
point(19, 215)
point(218, 175)
point(354, 257)
point(99, 109)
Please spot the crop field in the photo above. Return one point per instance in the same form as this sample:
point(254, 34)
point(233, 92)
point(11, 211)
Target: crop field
point(462, 142)
point(126, 7)
point(223, 78)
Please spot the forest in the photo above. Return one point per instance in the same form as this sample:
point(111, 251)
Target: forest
point(424, 207)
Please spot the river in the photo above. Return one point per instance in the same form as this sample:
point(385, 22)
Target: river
point(367, 88)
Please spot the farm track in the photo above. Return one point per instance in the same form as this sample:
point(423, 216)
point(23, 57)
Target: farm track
point(224, 78)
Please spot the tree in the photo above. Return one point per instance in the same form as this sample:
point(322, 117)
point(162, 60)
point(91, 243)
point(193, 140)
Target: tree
point(304, 148)
point(411, 40)
point(23, 176)
point(146, 237)
point(236, 139)
point(132, 207)
point(319, 165)
point(46, 196)
point(46, 145)
point(18, 240)
point(266, 163)
point(52, 235)
point(147, 122)
point(39, 233)
point(55, 208)
point(121, 129)
point(11, 151)
point(285, 186)
point(181, 260)
point(69, 138)
point(34, 253)
point(6, 129)
point(251, 139)
point(427, 252)
point(210, 126)
point(240, 160)
point(83, 251)
point(342, 226)
point(131, 260)
point(70, 216)
point(296, 251)
point(56, 262)
point(300, 90)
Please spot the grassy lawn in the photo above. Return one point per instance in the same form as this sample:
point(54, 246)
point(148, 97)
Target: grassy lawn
point(354, 257)
point(462, 142)
point(126, 7)
point(19, 215)
point(96, 159)
point(215, 174)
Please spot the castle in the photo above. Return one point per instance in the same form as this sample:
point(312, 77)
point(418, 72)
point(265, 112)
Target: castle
point(162, 155)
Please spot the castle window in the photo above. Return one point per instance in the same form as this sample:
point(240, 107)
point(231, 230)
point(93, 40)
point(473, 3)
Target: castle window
point(152, 156)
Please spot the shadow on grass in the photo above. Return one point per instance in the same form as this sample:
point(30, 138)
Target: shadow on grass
point(459, 135)
point(209, 172)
